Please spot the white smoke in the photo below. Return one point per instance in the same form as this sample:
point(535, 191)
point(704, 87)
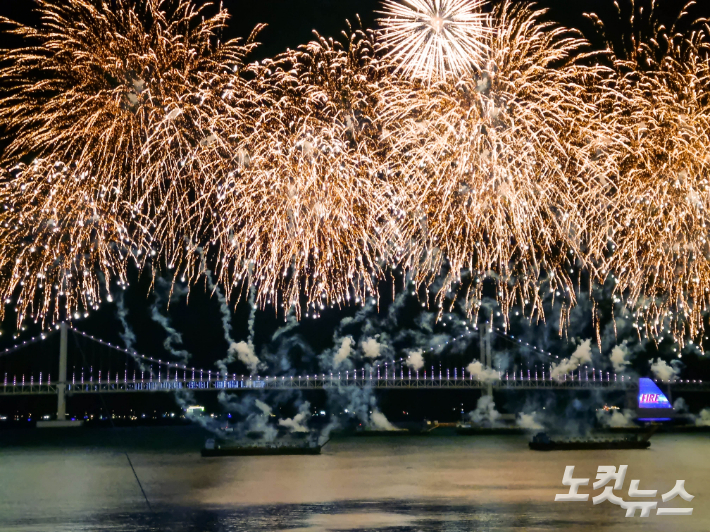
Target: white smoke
point(485, 375)
point(528, 422)
point(582, 354)
point(380, 422)
point(680, 406)
point(703, 420)
point(298, 422)
point(226, 316)
point(343, 352)
point(415, 360)
point(242, 351)
point(163, 296)
point(128, 337)
point(619, 357)
point(257, 413)
point(265, 409)
point(485, 411)
point(258, 422)
point(371, 348)
point(661, 370)
point(616, 418)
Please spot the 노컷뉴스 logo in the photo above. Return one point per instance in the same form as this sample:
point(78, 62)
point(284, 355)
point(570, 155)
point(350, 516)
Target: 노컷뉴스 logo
point(605, 474)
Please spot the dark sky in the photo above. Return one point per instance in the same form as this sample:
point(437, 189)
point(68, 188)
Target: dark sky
point(290, 23)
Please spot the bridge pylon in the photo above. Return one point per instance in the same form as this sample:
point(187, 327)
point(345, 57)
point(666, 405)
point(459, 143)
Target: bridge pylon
point(61, 420)
point(485, 350)
point(62, 384)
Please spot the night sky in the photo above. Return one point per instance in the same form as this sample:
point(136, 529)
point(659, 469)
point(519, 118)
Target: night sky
point(290, 23)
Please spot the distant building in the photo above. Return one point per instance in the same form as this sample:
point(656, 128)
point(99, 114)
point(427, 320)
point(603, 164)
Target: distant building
point(196, 410)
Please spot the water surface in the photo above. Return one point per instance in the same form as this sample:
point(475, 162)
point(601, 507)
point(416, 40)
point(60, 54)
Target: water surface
point(436, 483)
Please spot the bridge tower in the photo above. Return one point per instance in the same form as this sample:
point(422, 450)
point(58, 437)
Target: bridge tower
point(489, 361)
point(62, 384)
point(485, 350)
point(61, 420)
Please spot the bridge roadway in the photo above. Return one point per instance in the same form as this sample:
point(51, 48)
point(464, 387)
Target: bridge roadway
point(325, 382)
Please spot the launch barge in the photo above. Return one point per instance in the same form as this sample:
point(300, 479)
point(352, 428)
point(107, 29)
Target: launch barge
point(473, 430)
point(541, 442)
point(234, 448)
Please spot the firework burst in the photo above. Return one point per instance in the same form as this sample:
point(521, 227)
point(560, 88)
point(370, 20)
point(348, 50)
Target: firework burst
point(126, 95)
point(431, 39)
point(498, 164)
point(303, 206)
point(652, 240)
point(59, 238)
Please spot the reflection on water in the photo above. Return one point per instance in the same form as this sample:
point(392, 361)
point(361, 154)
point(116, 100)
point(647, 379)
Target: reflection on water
point(443, 483)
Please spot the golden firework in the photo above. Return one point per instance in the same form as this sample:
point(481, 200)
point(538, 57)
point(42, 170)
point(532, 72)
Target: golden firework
point(432, 39)
point(498, 165)
point(505, 151)
point(303, 203)
point(59, 236)
point(126, 95)
point(652, 241)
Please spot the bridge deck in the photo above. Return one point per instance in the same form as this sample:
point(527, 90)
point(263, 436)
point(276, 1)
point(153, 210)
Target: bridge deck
point(319, 383)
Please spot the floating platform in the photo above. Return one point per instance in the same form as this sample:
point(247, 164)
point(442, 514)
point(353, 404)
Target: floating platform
point(68, 424)
point(542, 443)
point(473, 430)
point(214, 448)
point(372, 433)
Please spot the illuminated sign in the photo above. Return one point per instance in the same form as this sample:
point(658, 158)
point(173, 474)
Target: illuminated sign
point(650, 395)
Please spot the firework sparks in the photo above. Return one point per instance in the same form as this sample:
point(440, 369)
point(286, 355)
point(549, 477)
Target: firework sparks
point(497, 162)
point(126, 96)
point(652, 242)
point(58, 238)
point(429, 39)
point(504, 153)
point(303, 207)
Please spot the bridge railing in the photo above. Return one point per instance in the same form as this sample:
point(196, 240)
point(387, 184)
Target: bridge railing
point(326, 382)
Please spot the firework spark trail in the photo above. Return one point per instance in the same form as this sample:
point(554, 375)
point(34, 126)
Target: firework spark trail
point(503, 151)
point(59, 235)
point(652, 242)
point(306, 212)
point(497, 163)
point(125, 98)
point(434, 39)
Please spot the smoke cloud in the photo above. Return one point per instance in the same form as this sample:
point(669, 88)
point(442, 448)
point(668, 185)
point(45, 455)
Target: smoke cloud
point(415, 360)
point(616, 418)
point(680, 406)
point(242, 351)
point(528, 422)
point(485, 375)
point(371, 348)
point(619, 357)
point(661, 370)
point(298, 422)
point(127, 335)
point(581, 355)
point(343, 352)
point(485, 413)
point(703, 420)
point(165, 293)
point(380, 422)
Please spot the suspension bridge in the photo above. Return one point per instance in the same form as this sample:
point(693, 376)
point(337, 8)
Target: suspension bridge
point(94, 366)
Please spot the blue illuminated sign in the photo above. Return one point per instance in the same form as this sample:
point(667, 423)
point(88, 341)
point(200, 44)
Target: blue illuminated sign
point(651, 396)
